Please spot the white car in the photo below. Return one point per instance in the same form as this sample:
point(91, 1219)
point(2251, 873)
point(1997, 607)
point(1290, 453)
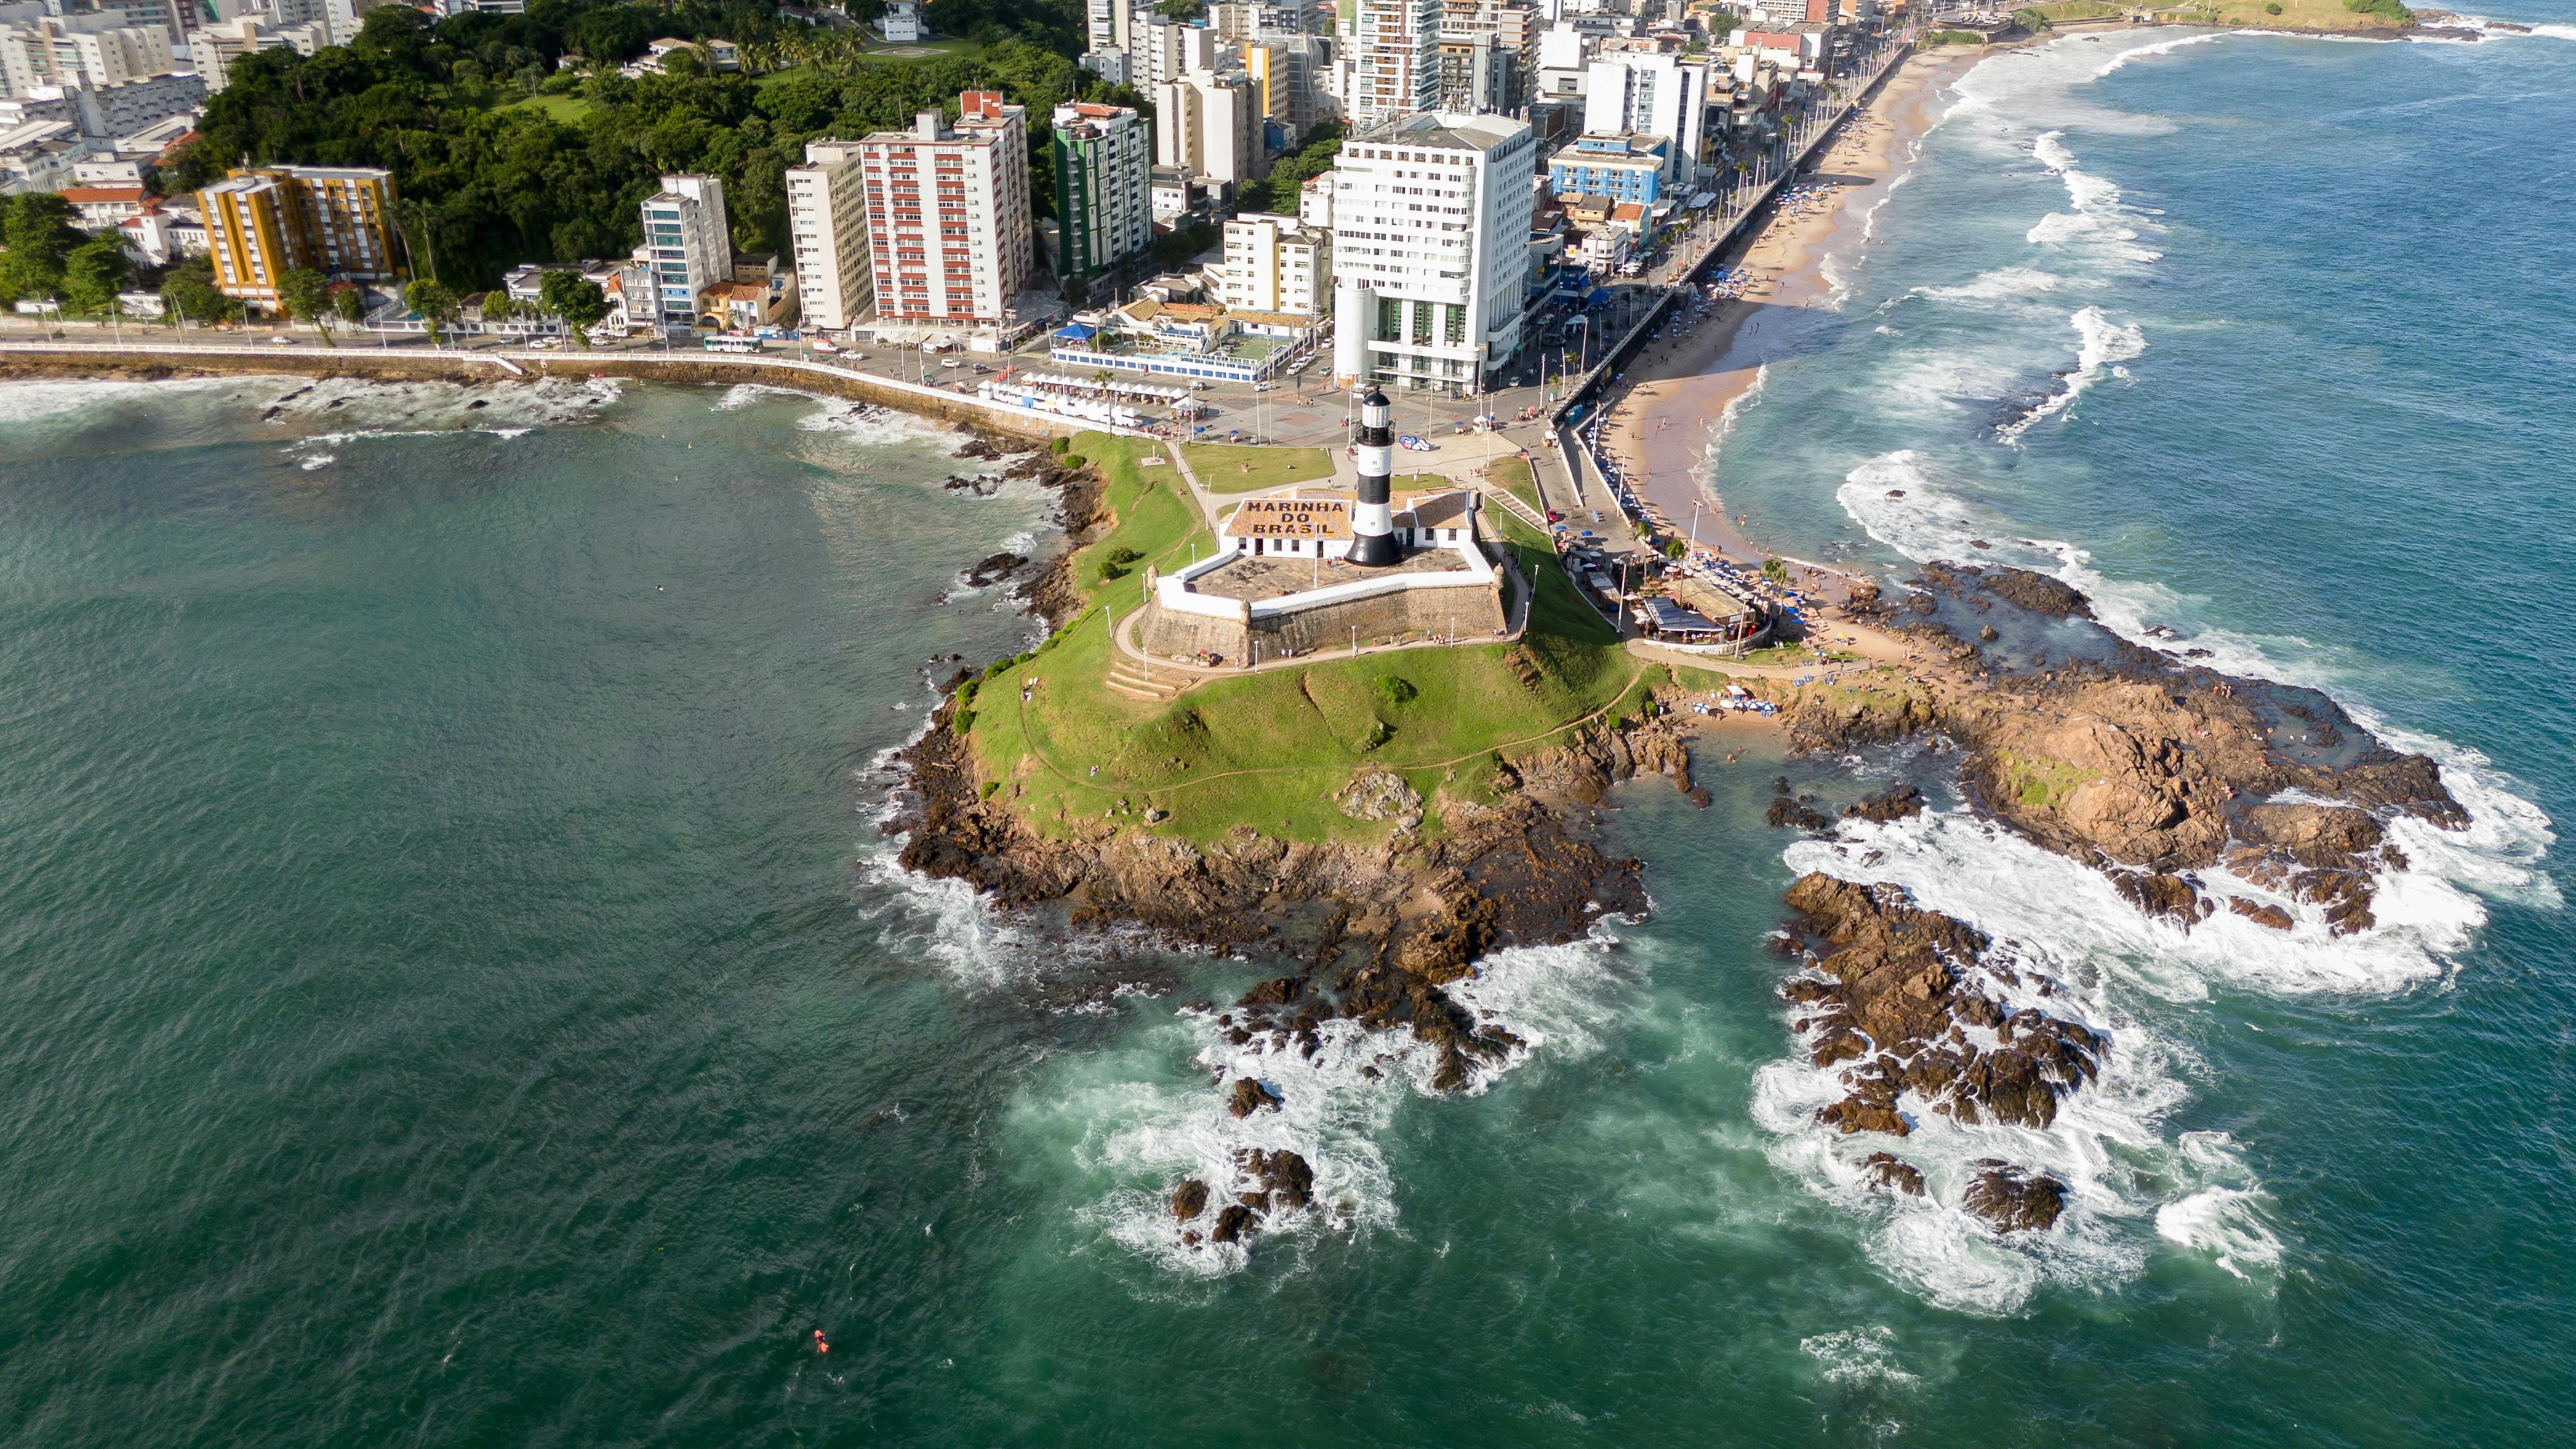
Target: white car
point(282, 340)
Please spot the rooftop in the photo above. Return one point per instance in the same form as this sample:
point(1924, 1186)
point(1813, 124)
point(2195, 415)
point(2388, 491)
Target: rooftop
point(1457, 130)
point(1248, 578)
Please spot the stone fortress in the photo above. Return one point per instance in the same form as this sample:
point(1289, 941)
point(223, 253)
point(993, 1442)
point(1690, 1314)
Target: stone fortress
point(1315, 569)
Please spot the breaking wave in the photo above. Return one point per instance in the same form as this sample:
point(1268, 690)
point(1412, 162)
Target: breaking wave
point(2102, 345)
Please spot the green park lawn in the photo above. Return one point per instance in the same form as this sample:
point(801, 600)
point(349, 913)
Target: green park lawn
point(567, 109)
point(1270, 750)
point(1233, 468)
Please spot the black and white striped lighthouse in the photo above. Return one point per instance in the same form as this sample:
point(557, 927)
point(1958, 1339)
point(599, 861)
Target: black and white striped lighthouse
point(1373, 522)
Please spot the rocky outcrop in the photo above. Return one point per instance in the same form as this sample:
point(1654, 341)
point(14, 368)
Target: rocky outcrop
point(1268, 1186)
point(1889, 1173)
point(1380, 795)
point(2011, 1199)
point(993, 570)
point(2262, 915)
point(1251, 1095)
point(2150, 766)
point(1896, 802)
point(1896, 996)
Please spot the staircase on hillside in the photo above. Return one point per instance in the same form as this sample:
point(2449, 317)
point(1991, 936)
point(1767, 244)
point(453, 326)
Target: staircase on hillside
point(1522, 511)
point(1127, 677)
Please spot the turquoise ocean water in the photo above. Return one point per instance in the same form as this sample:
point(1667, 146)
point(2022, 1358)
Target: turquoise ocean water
point(452, 991)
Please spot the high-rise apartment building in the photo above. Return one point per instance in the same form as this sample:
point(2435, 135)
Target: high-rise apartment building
point(1488, 53)
point(214, 49)
point(1109, 24)
point(262, 224)
point(1164, 52)
point(1645, 94)
point(1289, 70)
point(1276, 264)
point(1395, 59)
point(1431, 218)
point(1208, 124)
point(1104, 175)
point(827, 226)
point(948, 214)
point(93, 51)
point(688, 243)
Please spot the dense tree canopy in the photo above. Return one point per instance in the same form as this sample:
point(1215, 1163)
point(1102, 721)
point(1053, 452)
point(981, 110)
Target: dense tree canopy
point(486, 184)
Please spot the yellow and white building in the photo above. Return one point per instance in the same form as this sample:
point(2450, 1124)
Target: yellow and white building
point(266, 222)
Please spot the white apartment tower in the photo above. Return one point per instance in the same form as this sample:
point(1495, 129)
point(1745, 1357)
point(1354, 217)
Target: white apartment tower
point(950, 239)
point(1431, 218)
point(1164, 52)
point(827, 223)
point(1395, 54)
point(1274, 264)
point(1110, 24)
point(92, 51)
point(1209, 125)
point(1640, 94)
point(688, 243)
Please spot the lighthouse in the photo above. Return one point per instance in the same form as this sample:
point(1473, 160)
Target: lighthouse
point(1372, 523)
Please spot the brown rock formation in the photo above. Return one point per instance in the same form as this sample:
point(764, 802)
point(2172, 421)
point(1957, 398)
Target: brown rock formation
point(2126, 757)
point(2012, 1200)
point(1898, 991)
point(1889, 1173)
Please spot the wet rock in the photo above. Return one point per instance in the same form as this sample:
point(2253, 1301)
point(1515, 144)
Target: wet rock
point(1278, 991)
point(2012, 1200)
point(2156, 894)
point(993, 570)
point(1987, 633)
point(1250, 1096)
point(1231, 1224)
point(2264, 915)
point(1896, 992)
point(1284, 1180)
point(1896, 802)
point(1889, 1173)
point(1189, 1199)
point(2345, 894)
point(1785, 812)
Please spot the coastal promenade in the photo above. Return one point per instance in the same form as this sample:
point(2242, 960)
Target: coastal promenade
point(154, 357)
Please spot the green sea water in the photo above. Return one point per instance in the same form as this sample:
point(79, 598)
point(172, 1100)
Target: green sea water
point(454, 991)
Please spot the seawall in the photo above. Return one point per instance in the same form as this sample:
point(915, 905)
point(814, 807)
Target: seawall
point(150, 362)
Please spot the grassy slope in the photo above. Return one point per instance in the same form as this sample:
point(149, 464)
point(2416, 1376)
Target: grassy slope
point(1226, 468)
point(1513, 476)
point(2295, 15)
point(1269, 750)
point(2074, 10)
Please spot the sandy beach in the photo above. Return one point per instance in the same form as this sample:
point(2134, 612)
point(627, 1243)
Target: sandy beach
point(1679, 392)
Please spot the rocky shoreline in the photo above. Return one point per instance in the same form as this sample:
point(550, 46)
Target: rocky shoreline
point(2159, 771)
point(2141, 763)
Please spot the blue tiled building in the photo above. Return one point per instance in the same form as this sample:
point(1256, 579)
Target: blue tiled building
point(1627, 168)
